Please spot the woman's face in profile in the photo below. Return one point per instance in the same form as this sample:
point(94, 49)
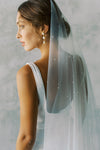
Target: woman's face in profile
point(27, 34)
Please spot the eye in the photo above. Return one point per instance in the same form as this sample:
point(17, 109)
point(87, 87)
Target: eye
point(22, 26)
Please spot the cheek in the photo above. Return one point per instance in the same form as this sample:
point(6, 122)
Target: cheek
point(27, 35)
point(31, 37)
point(34, 40)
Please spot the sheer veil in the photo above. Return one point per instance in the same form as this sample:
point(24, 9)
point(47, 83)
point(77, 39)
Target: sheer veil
point(69, 110)
point(70, 121)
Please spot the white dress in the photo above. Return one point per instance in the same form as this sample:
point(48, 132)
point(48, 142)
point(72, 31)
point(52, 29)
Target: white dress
point(45, 135)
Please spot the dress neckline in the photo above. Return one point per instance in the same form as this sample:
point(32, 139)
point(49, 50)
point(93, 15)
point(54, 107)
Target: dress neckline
point(41, 78)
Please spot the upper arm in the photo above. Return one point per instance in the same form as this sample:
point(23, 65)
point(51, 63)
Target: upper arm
point(28, 97)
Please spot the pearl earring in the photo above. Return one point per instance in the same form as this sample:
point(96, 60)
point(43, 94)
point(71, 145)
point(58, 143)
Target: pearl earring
point(43, 37)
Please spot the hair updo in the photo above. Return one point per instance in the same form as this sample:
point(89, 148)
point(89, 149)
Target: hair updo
point(38, 13)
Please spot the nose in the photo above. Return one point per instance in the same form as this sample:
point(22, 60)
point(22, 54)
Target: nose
point(18, 35)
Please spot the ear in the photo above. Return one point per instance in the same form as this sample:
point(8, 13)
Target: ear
point(45, 28)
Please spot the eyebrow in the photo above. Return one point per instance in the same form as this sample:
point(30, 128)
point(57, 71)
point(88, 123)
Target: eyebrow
point(19, 22)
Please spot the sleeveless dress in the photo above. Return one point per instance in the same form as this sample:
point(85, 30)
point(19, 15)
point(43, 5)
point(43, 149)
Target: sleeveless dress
point(46, 137)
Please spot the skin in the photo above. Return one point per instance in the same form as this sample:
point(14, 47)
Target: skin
point(26, 85)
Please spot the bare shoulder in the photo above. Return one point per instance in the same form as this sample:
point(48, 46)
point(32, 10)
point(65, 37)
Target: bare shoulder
point(26, 81)
point(29, 101)
point(25, 70)
point(25, 73)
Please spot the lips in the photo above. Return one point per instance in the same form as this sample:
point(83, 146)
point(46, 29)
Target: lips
point(23, 43)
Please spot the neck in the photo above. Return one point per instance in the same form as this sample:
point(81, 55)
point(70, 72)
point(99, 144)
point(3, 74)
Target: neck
point(44, 51)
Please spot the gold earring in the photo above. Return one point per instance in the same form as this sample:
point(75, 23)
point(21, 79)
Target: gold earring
point(43, 37)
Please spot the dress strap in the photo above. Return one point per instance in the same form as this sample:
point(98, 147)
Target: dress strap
point(39, 83)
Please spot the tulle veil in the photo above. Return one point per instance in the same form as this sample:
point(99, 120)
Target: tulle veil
point(70, 122)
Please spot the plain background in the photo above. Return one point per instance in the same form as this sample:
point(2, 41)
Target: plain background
point(84, 18)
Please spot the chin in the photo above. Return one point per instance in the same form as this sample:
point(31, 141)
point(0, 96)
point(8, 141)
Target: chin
point(28, 48)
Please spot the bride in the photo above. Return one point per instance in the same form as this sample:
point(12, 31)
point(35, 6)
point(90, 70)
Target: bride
point(55, 93)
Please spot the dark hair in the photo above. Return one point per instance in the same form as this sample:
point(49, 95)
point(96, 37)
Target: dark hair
point(38, 13)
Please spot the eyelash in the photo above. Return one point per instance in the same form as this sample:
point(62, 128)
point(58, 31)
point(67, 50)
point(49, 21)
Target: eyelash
point(22, 26)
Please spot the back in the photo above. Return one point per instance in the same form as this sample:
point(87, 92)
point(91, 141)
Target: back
point(45, 139)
